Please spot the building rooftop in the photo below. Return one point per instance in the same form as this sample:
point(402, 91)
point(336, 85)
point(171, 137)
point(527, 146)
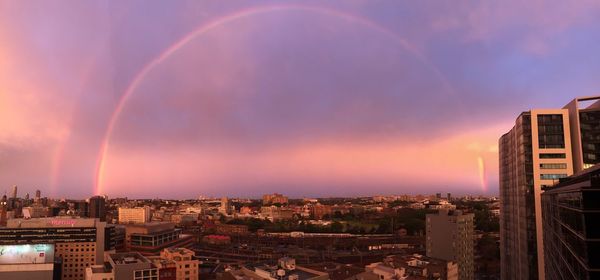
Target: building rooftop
point(53, 222)
point(106, 268)
point(128, 258)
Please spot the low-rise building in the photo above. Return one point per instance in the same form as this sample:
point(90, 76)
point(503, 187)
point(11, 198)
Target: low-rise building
point(183, 262)
point(151, 238)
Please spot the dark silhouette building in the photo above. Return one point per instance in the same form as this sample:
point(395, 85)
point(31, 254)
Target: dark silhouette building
point(97, 208)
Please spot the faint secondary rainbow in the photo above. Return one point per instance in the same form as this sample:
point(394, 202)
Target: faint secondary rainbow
point(59, 151)
point(202, 29)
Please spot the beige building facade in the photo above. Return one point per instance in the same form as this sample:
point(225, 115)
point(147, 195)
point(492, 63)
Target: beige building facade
point(544, 146)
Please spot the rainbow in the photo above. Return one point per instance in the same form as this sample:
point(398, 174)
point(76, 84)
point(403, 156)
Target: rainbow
point(203, 29)
point(482, 173)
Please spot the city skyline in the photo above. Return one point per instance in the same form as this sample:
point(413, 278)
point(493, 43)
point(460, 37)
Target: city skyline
point(307, 99)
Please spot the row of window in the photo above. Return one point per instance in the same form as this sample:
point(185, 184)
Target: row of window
point(553, 155)
point(552, 176)
point(553, 166)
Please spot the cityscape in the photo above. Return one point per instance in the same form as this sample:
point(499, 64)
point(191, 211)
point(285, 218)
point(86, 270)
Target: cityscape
point(299, 140)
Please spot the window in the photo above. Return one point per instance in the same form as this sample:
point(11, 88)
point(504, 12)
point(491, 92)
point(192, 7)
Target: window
point(553, 156)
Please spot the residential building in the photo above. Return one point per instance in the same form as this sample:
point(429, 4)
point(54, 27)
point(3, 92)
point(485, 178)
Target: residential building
point(449, 236)
point(571, 215)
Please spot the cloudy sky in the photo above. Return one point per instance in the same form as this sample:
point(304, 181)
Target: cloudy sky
point(310, 98)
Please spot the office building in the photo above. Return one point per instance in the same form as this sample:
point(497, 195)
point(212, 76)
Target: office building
point(571, 214)
point(137, 215)
point(79, 243)
point(544, 146)
point(97, 208)
point(449, 236)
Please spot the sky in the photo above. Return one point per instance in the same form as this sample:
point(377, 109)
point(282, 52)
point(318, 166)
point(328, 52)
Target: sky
point(180, 99)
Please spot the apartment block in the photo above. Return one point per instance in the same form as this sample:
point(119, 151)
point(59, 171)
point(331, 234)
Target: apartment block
point(449, 236)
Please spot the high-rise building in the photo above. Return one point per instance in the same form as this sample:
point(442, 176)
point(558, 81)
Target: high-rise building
point(571, 214)
point(138, 215)
point(544, 146)
point(80, 243)
point(14, 192)
point(38, 197)
point(97, 208)
point(225, 209)
point(449, 236)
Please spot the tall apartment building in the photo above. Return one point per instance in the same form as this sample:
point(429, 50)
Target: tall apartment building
point(544, 146)
point(80, 243)
point(571, 214)
point(137, 215)
point(450, 237)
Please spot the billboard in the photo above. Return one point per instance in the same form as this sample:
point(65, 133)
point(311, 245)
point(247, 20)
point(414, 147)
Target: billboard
point(26, 254)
